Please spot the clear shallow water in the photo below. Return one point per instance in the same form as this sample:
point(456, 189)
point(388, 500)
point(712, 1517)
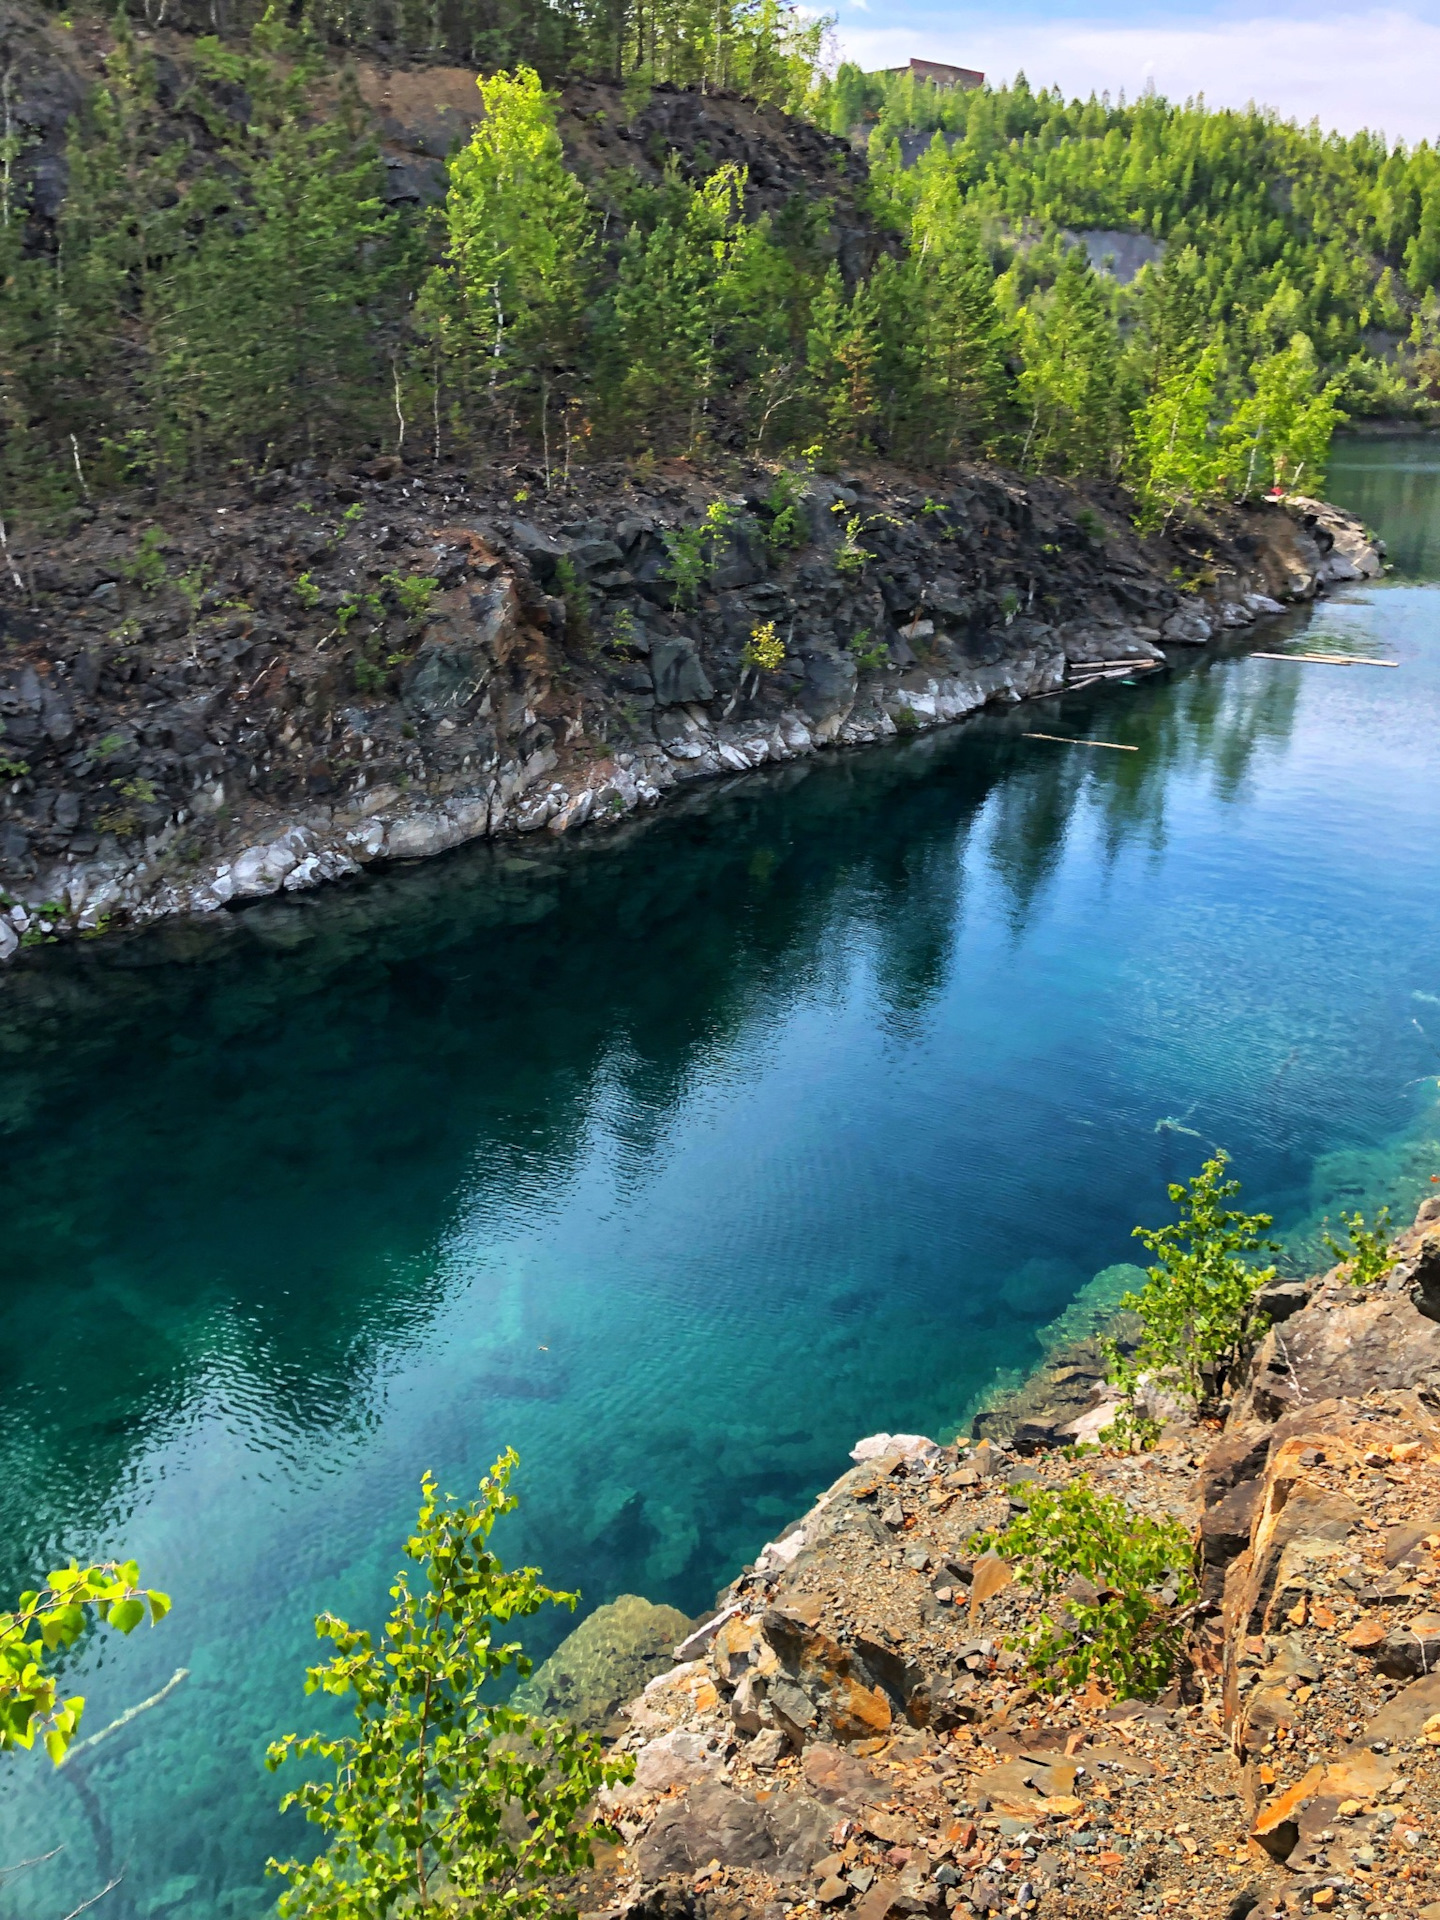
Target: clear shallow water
point(677, 1160)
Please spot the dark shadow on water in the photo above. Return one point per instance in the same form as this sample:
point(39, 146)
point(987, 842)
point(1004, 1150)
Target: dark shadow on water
point(192, 1091)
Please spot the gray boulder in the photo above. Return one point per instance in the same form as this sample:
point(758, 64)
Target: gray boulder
point(712, 1822)
point(440, 678)
point(829, 687)
point(678, 675)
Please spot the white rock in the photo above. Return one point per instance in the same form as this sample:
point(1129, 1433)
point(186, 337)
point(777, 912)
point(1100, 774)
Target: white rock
point(261, 870)
point(776, 1555)
point(574, 813)
point(1086, 1430)
point(675, 1759)
point(419, 836)
point(694, 1644)
point(910, 1446)
point(534, 816)
point(365, 842)
point(9, 941)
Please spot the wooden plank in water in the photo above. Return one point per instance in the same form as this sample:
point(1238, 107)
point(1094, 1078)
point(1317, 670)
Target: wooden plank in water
point(1065, 740)
point(1329, 659)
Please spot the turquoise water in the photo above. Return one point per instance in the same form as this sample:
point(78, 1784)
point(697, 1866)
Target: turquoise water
point(678, 1159)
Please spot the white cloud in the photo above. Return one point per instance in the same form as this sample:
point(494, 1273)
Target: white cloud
point(1375, 69)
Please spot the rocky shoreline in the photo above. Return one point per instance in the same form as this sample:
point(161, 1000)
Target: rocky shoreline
point(854, 1731)
point(299, 678)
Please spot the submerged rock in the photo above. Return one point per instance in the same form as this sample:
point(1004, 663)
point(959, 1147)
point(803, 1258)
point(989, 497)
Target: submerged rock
point(609, 1658)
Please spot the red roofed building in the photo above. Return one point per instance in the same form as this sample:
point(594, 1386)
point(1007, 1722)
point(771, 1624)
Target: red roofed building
point(941, 75)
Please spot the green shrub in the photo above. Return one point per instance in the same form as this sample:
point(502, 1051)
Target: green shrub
point(45, 1624)
point(146, 569)
point(691, 553)
point(1124, 1580)
point(789, 527)
point(441, 1796)
point(1368, 1254)
point(1195, 1309)
point(412, 593)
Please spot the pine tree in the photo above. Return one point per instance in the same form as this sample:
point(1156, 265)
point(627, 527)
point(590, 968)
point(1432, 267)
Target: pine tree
point(962, 383)
point(121, 225)
point(1070, 353)
point(1174, 312)
point(842, 351)
point(36, 469)
point(271, 329)
point(695, 288)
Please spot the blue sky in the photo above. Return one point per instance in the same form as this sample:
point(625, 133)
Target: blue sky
point(1349, 66)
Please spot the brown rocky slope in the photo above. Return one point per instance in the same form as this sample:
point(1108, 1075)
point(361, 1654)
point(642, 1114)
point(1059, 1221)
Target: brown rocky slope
point(851, 1733)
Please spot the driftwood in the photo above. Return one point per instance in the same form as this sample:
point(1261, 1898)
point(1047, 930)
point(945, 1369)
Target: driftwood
point(1065, 740)
point(75, 1912)
point(130, 1713)
point(1329, 659)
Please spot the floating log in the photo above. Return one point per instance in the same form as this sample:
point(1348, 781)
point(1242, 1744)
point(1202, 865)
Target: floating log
point(1329, 659)
point(1065, 740)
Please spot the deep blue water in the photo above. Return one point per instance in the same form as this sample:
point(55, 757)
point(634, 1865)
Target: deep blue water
point(678, 1159)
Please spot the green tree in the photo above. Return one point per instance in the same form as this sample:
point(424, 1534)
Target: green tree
point(1279, 435)
point(271, 328)
point(842, 350)
point(699, 290)
point(442, 1798)
point(507, 306)
point(1195, 1307)
point(1070, 354)
point(47, 1622)
point(961, 382)
point(1175, 461)
point(121, 225)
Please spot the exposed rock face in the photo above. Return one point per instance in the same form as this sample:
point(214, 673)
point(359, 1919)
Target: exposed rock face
point(1346, 1344)
point(171, 751)
point(854, 1726)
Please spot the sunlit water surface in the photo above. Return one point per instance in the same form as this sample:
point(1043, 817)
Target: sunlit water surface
point(676, 1159)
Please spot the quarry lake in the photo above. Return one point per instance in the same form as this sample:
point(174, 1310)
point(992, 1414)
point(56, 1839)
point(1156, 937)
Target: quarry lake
point(677, 1158)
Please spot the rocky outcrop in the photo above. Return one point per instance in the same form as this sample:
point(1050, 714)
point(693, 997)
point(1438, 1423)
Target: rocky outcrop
point(856, 1728)
point(283, 684)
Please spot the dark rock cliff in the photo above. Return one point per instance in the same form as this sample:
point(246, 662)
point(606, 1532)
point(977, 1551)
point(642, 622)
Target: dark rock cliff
point(228, 696)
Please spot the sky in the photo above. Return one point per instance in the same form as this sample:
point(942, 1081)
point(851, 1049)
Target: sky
point(1347, 66)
